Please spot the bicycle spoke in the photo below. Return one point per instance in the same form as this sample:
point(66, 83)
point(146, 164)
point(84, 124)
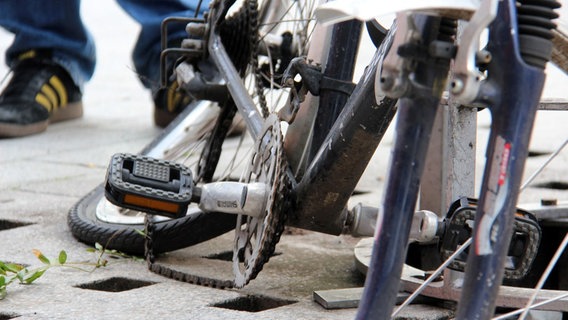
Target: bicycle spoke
point(534, 306)
point(539, 170)
point(545, 274)
point(433, 276)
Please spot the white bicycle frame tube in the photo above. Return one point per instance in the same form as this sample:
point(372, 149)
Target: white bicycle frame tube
point(341, 10)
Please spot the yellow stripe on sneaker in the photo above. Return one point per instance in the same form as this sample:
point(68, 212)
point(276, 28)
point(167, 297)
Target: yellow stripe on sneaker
point(177, 100)
point(171, 97)
point(27, 55)
point(50, 94)
point(44, 101)
point(60, 89)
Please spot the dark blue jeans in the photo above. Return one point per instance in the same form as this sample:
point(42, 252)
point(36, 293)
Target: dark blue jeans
point(57, 25)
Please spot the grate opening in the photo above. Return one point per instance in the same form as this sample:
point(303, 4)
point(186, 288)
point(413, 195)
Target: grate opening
point(10, 224)
point(557, 185)
point(116, 284)
point(358, 192)
point(225, 256)
point(7, 316)
point(533, 153)
point(252, 303)
point(228, 256)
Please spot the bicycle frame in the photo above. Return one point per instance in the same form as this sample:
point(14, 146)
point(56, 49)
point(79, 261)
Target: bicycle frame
point(416, 116)
point(343, 156)
point(411, 64)
point(513, 94)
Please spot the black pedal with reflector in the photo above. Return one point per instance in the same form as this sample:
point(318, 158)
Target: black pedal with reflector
point(523, 247)
point(150, 185)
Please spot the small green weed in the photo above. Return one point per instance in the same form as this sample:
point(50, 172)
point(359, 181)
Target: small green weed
point(17, 273)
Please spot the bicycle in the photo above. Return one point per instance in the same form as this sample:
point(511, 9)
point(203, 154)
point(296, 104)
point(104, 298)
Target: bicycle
point(300, 177)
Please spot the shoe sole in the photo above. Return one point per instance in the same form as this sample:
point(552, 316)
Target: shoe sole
point(71, 111)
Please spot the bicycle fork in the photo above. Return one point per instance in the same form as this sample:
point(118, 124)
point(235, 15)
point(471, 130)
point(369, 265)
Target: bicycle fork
point(417, 110)
point(512, 91)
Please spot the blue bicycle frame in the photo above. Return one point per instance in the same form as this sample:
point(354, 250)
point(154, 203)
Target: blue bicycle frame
point(512, 93)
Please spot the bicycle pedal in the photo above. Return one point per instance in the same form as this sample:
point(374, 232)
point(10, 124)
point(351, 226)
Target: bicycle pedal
point(150, 185)
point(522, 249)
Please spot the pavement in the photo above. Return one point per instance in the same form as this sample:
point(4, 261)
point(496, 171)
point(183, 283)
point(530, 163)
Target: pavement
point(42, 176)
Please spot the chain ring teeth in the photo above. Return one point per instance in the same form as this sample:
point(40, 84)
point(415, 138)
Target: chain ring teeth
point(256, 238)
point(280, 199)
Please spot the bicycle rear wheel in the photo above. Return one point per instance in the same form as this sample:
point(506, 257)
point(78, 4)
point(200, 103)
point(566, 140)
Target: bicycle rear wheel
point(205, 138)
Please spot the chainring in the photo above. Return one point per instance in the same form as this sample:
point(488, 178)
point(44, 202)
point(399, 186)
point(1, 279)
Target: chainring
point(256, 237)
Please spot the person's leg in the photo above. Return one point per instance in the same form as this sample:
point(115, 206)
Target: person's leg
point(146, 54)
point(52, 56)
point(53, 25)
point(149, 14)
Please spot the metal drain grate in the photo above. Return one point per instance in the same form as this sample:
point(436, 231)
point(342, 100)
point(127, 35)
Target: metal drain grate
point(252, 303)
point(7, 316)
point(557, 185)
point(115, 284)
point(533, 153)
point(11, 224)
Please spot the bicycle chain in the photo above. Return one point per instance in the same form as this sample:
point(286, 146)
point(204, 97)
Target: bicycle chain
point(211, 152)
point(162, 270)
point(248, 17)
point(256, 243)
point(274, 232)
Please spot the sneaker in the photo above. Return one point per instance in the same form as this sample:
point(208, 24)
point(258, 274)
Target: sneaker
point(40, 92)
point(168, 103)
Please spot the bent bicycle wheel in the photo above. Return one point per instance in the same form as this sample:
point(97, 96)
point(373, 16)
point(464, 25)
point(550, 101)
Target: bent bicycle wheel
point(171, 234)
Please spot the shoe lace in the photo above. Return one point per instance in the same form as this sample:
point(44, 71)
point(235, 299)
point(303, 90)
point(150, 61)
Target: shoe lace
point(5, 77)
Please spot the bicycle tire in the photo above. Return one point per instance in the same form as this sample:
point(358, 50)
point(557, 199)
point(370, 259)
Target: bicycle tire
point(90, 225)
point(171, 234)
